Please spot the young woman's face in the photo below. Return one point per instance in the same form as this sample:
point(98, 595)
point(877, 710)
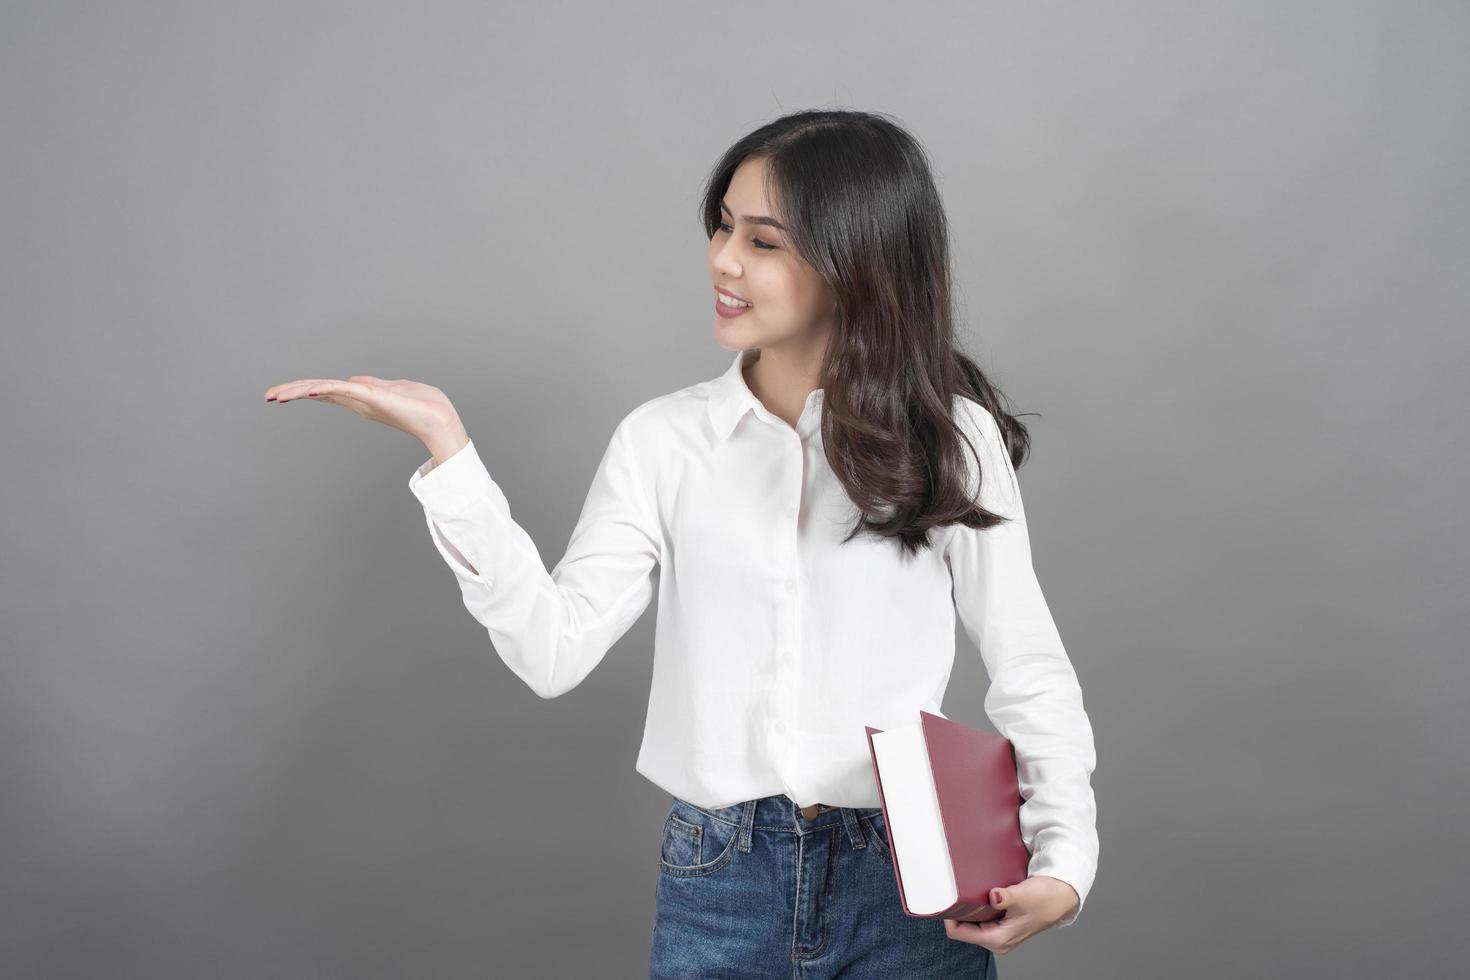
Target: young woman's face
point(789, 301)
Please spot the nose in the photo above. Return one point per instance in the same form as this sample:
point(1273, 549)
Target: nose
point(724, 262)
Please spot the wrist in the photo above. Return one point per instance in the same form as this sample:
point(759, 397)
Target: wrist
point(445, 442)
point(1069, 892)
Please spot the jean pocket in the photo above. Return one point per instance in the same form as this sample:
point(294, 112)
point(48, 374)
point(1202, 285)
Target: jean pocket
point(694, 842)
point(877, 828)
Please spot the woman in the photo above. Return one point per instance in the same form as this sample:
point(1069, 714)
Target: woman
point(812, 521)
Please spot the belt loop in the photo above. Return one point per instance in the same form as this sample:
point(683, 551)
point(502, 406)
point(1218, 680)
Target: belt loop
point(854, 832)
point(747, 820)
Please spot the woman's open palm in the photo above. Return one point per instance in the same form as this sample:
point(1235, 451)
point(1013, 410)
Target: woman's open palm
point(420, 410)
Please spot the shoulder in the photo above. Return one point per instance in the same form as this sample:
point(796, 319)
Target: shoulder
point(671, 411)
point(980, 427)
point(976, 421)
point(657, 428)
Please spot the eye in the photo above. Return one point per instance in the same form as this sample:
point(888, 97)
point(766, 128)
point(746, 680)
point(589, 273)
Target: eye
point(758, 243)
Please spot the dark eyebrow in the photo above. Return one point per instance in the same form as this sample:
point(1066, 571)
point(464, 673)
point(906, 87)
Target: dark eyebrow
point(756, 219)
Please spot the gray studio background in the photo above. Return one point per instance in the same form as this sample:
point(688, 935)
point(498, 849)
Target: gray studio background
point(248, 730)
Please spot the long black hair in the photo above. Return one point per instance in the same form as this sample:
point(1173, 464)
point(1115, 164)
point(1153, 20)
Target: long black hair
point(857, 194)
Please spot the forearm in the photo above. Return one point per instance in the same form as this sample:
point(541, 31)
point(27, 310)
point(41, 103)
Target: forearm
point(550, 627)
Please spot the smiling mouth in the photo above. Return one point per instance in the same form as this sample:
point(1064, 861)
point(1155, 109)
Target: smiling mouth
point(734, 304)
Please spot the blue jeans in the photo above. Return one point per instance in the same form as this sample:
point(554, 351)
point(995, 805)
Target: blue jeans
point(757, 890)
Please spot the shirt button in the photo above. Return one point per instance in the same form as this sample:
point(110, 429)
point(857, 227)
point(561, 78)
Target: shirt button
point(790, 511)
point(791, 585)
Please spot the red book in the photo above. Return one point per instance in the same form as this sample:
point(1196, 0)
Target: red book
point(953, 812)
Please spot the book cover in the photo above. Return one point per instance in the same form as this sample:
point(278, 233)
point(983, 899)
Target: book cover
point(977, 795)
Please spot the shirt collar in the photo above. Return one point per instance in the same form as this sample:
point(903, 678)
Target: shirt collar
point(730, 397)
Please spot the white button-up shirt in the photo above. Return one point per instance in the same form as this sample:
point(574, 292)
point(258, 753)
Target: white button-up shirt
point(775, 643)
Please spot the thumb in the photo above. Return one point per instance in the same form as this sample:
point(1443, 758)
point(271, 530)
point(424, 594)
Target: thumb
point(1000, 898)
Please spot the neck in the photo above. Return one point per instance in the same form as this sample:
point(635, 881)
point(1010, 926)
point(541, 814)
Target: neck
point(783, 379)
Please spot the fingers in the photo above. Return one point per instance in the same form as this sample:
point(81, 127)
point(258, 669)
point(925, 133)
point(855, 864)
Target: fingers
point(304, 387)
point(291, 389)
point(348, 394)
point(344, 389)
point(998, 935)
point(315, 387)
point(346, 401)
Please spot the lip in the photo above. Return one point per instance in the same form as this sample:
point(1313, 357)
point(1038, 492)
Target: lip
point(731, 295)
point(729, 313)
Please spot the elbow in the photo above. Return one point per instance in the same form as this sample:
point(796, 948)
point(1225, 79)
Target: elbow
point(559, 672)
point(539, 670)
point(543, 680)
point(553, 655)
point(546, 691)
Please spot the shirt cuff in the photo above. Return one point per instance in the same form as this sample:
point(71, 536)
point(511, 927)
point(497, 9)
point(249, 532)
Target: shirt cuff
point(450, 487)
point(1067, 863)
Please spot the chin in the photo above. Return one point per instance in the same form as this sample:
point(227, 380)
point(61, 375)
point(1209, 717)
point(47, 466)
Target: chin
point(730, 337)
